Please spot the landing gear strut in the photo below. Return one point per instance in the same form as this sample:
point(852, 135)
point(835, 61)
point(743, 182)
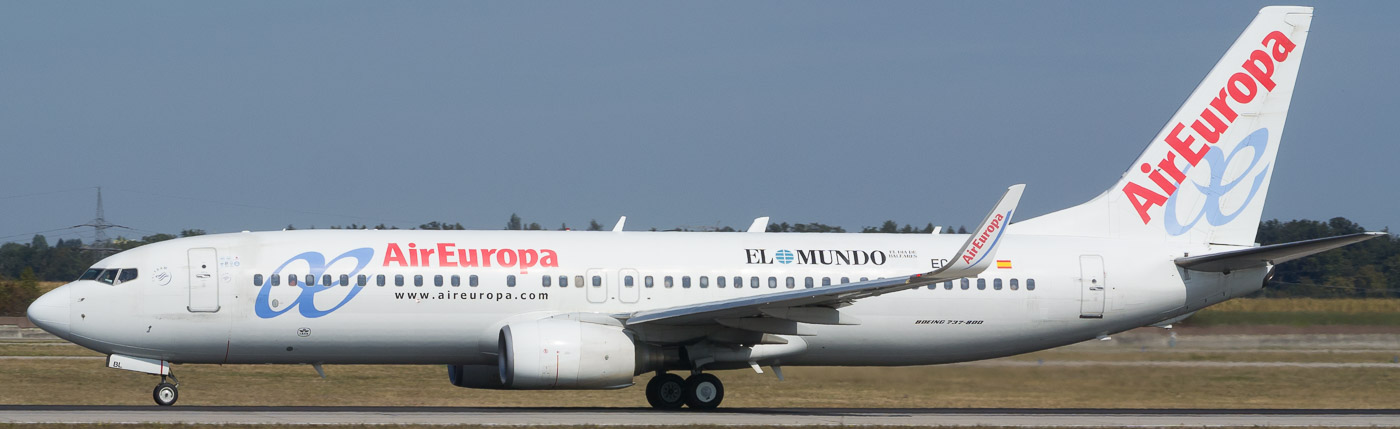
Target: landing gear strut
point(699, 392)
point(165, 393)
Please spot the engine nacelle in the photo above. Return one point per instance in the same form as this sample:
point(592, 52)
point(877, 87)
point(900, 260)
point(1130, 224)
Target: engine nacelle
point(565, 354)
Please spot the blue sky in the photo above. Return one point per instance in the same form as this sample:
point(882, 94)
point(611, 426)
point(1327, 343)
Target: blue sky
point(253, 115)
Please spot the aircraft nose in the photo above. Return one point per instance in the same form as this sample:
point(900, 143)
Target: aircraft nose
point(50, 312)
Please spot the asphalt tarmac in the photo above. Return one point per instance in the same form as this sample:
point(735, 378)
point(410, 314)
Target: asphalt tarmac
point(724, 416)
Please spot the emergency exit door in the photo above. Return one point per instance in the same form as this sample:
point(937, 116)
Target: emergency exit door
point(1092, 287)
point(597, 285)
point(204, 280)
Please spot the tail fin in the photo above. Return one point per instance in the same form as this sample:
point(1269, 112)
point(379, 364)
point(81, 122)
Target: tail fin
point(1204, 177)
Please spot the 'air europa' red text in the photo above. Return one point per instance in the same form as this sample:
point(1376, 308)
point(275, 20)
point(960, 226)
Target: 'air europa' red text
point(448, 255)
point(981, 240)
point(1257, 76)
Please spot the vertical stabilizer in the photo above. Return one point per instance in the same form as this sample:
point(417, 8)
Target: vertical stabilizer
point(1204, 177)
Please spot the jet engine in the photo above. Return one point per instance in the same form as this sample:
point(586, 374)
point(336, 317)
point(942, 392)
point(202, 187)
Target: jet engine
point(565, 353)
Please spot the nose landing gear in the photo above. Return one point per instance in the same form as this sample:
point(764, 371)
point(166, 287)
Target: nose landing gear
point(165, 393)
point(699, 392)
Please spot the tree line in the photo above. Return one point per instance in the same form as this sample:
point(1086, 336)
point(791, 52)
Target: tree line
point(1368, 269)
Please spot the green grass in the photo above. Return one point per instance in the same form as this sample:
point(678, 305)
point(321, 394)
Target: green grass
point(1300, 312)
point(89, 382)
point(1328, 318)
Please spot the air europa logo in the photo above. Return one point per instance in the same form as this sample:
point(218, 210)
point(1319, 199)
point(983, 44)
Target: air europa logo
point(1217, 187)
point(305, 301)
point(817, 257)
point(1243, 87)
point(448, 255)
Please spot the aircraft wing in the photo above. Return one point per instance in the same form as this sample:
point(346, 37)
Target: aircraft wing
point(1275, 254)
point(818, 305)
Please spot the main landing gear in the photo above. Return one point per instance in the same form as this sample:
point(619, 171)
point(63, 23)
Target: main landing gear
point(700, 391)
point(165, 393)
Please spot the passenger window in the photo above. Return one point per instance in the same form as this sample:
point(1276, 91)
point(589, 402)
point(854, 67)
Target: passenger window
point(826, 281)
point(545, 280)
point(791, 282)
point(127, 275)
point(563, 281)
point(807, 283)
point(437, 280)
point(647, 281)
point(669, 282)
point(738, 282)
point(578, 281)
point(291, 279)
point(753, 282)
point(276, 279)
point(510, 280)
point(325, 280)
point(456, 280)
point(310, 280)
point(418, 280)
point(379, 280)
point(597, 281)
point(472, 281)
point(1030, 284)
point(720, 282)
point(628, 281)
point(1014, 285)
point(257, 280)
point(965, 283)
point(704, 282)
point(845, 280)
point(864, 279)
point(398, 280)
point(981, 284)
point(685, 282)
point(345, 280)
point(948, 285)
point(996, 284)
point(90, 274)
point(772, 282)
point(361, 280)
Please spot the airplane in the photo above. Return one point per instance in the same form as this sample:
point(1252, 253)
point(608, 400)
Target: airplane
point(593, 310)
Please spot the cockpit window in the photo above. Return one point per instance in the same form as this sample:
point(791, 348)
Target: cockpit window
point(128, 274)
point(90, 274)
point(107, 276)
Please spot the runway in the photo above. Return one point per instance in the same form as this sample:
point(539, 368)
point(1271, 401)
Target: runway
point(737, 416)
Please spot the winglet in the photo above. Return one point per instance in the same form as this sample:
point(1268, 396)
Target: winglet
point(759, 225)
point(977, 253)
point(620, 221)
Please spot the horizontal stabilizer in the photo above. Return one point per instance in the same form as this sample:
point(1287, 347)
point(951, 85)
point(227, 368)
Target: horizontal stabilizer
point(1272, 254)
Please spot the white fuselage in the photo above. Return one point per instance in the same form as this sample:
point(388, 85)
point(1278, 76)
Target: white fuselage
point(194, 306)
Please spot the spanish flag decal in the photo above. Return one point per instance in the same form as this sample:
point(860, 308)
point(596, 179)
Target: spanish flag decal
point(1003, 263)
